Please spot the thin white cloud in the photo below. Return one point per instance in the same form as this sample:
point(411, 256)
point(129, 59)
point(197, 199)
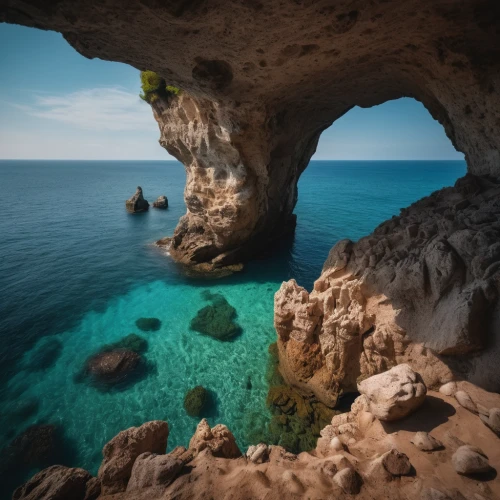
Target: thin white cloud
point(108, 108)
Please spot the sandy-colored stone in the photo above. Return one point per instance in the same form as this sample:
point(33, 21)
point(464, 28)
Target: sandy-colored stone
point(425, 442)
point(152, 470)
point(120, 453)
point(219, 440)
point(349, 480)
point(448, 389)
point(492, 420)
point(394, 394)
point(465, 400)
point(470, 460)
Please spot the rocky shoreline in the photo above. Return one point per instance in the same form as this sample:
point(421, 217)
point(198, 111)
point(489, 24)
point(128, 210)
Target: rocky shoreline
point(398, 441)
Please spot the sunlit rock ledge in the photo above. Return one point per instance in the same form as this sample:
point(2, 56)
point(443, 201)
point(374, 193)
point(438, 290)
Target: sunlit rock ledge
point(399, 441)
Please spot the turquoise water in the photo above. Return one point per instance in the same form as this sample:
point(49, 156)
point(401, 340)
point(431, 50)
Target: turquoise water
point(77, 268)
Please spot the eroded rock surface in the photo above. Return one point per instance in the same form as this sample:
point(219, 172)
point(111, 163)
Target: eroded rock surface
point(121, 452)
point(421, 289)
point(378, 462)
point(394, 394)
point(259, 85)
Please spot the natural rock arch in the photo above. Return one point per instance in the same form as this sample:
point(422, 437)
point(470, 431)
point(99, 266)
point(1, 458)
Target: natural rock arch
point(261, 81)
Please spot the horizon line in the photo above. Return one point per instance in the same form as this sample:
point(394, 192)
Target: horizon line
point(177, 161)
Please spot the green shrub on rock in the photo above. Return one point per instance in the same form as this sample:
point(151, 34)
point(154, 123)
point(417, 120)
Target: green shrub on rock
point(154, 86)
point(196, 400)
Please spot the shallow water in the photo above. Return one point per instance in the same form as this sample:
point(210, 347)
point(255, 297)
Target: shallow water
point(77, 268)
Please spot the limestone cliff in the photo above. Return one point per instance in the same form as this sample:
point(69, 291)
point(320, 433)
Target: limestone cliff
point(266, 78)
point(422, 288)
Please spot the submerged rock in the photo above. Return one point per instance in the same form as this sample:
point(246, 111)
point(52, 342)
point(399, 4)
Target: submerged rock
point(148, 324)
point(161, 202)
point(132, 342)
point(37, 446)
point(196, 400)
point(137, 203)
point(120, 453)
point(43, 356)
point(112, 367)
point(217, 319)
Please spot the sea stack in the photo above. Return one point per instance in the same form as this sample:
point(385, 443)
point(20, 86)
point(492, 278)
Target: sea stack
point(161, 202)
point(137, 203)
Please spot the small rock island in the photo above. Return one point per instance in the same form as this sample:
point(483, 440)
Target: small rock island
point(137, 203)
point(161, 202)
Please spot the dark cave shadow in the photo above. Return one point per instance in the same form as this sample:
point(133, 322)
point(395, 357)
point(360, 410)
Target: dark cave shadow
point(430, 415)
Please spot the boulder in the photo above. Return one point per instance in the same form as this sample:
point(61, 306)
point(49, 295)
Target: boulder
point(55, 483)
point(396, 463)
point(161, 202)
point(216, 319)
point(470, 460)
point(137, 203)
point(465, 400)
point(492, 420)
point(349, 480)
point(151, 470)
point(219, 440)
point(121, 452)
point(425, 442)
point(148, 324)
point(112, 367)
point(196, 400)
point(395, 393)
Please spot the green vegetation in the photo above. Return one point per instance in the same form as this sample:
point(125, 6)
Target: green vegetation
point(154, 87)
point(196, 400)
point(217, 319)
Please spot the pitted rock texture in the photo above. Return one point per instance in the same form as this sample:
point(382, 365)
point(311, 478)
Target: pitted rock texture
point(422, 289)
point(264, 79)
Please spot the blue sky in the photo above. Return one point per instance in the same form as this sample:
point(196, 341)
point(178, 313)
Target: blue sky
point(56, 104)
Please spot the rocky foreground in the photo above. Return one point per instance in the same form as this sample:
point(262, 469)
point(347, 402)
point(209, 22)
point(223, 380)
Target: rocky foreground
point(399, 441)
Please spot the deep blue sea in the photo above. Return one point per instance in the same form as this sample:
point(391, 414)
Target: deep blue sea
point(75, 267)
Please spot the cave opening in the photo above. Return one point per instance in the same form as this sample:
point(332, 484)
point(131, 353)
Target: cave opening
point(368, 165)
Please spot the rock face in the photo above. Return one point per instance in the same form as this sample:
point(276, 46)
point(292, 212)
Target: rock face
point(137, 203)
point(219, 440)
point(121, 452)
point(421, 289)
point(394, 394)
point(161, 202)
point(255, 101)
point(55, 483)
point(378, 462)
